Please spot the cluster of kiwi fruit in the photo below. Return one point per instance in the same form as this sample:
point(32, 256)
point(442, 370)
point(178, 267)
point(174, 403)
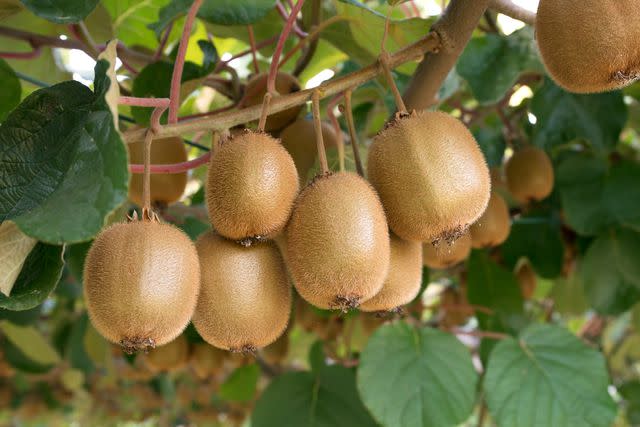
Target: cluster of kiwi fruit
point(590, 46)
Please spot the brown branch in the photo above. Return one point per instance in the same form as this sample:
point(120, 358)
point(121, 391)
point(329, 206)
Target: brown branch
point(507, 7)
point(229, 119)
point(454, 27)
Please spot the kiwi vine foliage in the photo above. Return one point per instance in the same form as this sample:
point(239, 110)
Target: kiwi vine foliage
point(566, 355)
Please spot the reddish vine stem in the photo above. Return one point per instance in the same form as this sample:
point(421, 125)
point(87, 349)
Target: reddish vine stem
point(163, 42)
point(146, 181)
point(174, 167)
point(35, 52)
point(254, 50)
point(480, 334)
point(283, 13)
point(273, 70)
point(179, 63)
point(336, 127)
point(317, 125)
point(144, 102)
point(386, 69)
point(348, 113)
point(259, 45)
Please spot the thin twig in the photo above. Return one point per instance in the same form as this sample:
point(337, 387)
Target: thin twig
point(307, 55)
point(273, 70)
point(265, 111)
point(348, 113)
point(176, 78)
point(480, 334)
point(35, 52)
point(144, 102)
point(283, 13)
point(174, 167)
point(386, 69)
point(146, 180)
point(163, 42)
point(507, 7)
point(317, 125)
point(254, 50)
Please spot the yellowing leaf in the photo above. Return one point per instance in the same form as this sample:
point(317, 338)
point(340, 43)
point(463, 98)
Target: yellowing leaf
point(112, 95)
point(96, 347)
point(72, 379)
point(15, 246)
point(30, 342)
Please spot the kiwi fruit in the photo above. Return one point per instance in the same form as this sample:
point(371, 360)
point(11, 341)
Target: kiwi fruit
point(403, 280)
point(206, 360)
point(432, 177)
point(590, 46)
point(165, 188)
point(299, 140)
point(493, 227)
point(276, 352)
point(254, 93)
point(526, 279)
point(338, 242)
point(251, 187)
point(446, 255)
point(141, 282)
point(529, 174)
point(169, 357)
point(245, 297)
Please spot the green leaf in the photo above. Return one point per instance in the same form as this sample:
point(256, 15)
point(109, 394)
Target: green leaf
point(61, 11)
point(39, 276)
point(490, 285)
point(630, 391)
point(241, 384)
point(75, 255)
point(75, 349)
point(82, 172)
point(548, 378)
point(492, 64)
point(537, 237)
point(305, 399)
point(19, 360)
point(491, 141)
point(563, 117)
point(611, 273)
point(222, 12)
point(10, 92)
point(568, 295)
point(596, 196)
point(131, 19)
point(30, 342)
point(416, 377)
point(15, 246)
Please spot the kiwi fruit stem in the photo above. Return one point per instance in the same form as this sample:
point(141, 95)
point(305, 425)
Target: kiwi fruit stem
point(337, 131)
point(347, 110)
point(265, 109)
point(147, 214)
point(383, 59)
point(317, 125)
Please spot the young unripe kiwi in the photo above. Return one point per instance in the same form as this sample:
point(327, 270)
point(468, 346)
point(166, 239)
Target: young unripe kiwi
point(277, 351)
point(165, 188)
point(245, 297)
point(254, 95)
point(493, 227)
point(338, 242)
point(141, 282)
point(403, 280)
point(206, 360)
point(590, 46)
point(169, 357)
point(526, 279)
point(251, 187)
point(432, 177)
point(445, 255)
point(300, 141)
point(529, 174)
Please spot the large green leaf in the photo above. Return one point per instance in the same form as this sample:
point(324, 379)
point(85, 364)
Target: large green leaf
point(325, 397)
point(10, 89)
point(131, 19)
point(38, 278)
point(61, 11)
point(563, 117)
point(491, 141)
point(30, 342)
point(222, 12)
point(491, 64)
point(596, 196)
point(537, 237)
point(240, 386)
point(490, 285)
point(548, 377)
point(611, 272)
point(69, 133)
point(416, 377)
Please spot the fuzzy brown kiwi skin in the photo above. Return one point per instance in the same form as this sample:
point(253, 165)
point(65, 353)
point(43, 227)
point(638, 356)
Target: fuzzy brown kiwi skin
point(165, 188)
point(493, 227)
point(141, 283)
point(403, 280)
point(299, 140)
point(245, 297)
point(431, 176)
point(251, 187)
point(590, 46)
point(338, 242)
point(445, 255)
point(529, 174)
point(254, 94)
point(169, 357)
